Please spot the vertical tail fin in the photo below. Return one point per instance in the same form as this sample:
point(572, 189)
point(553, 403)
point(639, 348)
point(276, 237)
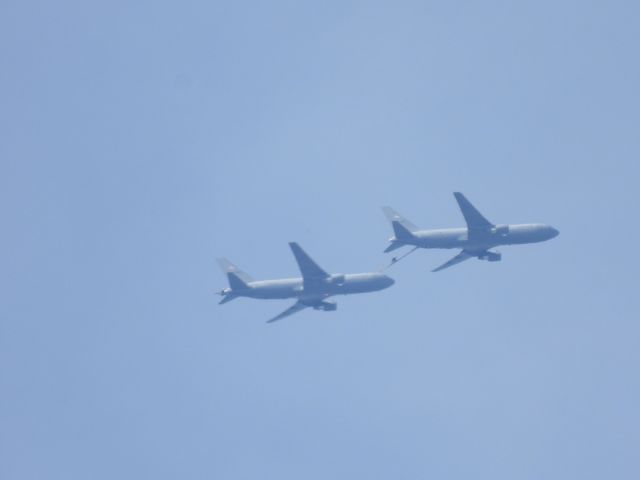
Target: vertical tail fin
point(238, 280)
point(402, 227)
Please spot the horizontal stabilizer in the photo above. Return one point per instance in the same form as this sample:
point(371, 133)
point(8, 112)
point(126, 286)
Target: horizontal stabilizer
point(227, 298)
point(394, 246)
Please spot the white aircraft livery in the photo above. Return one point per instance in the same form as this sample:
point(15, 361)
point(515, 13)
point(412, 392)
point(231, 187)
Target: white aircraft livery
point(310, 290)
point(475, 240)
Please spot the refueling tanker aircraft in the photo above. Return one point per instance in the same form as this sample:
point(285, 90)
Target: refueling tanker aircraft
point(475, 240)
point(311, 290)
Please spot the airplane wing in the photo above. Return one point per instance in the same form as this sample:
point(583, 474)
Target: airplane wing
point(475, 220)
point(295, 308)
point(309, 269)
point(461, 257)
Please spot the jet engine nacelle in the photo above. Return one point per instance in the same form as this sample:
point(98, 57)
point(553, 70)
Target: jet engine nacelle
point(337, 279)
point(501, 229)
point(492, 257)
point(327, 306)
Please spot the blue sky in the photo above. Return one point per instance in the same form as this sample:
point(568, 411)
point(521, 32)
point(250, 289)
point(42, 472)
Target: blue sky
point(140, 140)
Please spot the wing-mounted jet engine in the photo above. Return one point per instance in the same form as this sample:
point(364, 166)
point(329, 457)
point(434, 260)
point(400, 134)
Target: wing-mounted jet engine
point(474, 240)
point(490, 256)
point(501, 230)
point(326, 306)
point(311, 290)
point(336, 279)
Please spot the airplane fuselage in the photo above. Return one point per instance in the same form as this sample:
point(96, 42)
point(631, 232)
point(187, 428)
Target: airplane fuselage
point(322, 288)
point(311, 290)
point(500, 235)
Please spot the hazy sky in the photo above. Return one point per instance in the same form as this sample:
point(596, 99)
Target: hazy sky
point(140, 140)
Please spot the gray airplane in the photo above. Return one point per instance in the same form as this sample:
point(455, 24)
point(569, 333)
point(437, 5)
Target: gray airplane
point(475, 240)
point(311, 290)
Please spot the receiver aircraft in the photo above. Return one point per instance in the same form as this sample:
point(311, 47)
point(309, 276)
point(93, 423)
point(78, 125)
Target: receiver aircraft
point(311, 290)
point(475, 240)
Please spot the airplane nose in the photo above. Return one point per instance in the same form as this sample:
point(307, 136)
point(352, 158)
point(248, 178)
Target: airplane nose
point(555, 232)
point(388, 281)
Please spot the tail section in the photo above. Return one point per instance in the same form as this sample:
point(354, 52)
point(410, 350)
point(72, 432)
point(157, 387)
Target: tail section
point(394, 246)
point(402, 228)
point(236, 283)
point(238, 280)
point(226, 297)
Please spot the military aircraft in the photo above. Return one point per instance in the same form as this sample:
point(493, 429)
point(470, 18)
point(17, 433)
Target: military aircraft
point(312, 290)
point(475, 240)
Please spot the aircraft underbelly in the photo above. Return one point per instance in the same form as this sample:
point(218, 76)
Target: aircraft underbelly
point(328, 290)
point(480, 244)
point(519, 239)
point(274, 292)
point(354, 288)
point(454, 239)
point(445, 243)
